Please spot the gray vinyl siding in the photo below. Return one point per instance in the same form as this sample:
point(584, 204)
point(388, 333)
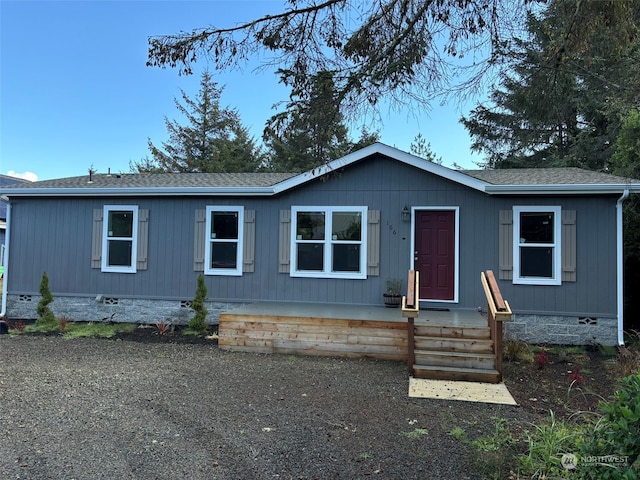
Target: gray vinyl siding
point(55, 235)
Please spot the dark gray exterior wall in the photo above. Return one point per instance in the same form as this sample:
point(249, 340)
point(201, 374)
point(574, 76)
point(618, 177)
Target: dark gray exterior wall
point(594, 291)
point(54, 235)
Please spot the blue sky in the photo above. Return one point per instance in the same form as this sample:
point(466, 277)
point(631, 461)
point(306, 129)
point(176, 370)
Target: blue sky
point(75, 92)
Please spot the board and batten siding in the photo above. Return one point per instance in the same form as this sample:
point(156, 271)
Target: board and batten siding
point(142, 247)
point(568, 245)
point(589, 258)
point(55, 235)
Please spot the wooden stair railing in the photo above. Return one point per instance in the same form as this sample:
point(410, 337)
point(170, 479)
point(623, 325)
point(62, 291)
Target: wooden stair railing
point(498, 311)
point(410, 310)
point(468, 353)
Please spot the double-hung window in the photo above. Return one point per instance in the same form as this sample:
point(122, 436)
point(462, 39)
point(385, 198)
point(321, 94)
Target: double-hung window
point(223, 242)
point(329, 242)
point(120, 238)
point(536, 245)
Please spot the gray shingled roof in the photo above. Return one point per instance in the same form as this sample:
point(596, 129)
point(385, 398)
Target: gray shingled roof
point(493, 182)
point(522, 176)
point(162, 180)
point(546, 176)
point(5, 181)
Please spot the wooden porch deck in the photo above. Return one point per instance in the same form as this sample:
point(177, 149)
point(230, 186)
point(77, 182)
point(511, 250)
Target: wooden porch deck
point(453, 317)
point(337, 330)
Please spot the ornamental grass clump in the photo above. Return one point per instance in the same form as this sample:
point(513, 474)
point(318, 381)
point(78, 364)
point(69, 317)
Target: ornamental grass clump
point(18, 325)
point(63, 322)
point(164, 327)
point(45, 315)
point(548, 442)
point(629, 354)
point(198, 323)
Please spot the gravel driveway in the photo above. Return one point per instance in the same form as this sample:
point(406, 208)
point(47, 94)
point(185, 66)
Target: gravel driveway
point(105, 409)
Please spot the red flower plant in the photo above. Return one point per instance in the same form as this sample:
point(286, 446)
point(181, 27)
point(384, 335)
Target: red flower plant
point(542, 359)
point(576, 376)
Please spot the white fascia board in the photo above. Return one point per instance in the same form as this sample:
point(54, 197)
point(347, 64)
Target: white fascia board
point(568, 189)
point(142, 192)
point(382, 149)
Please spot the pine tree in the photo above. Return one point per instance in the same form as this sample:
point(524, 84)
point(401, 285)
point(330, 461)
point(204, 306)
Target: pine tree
point(310, 133)
point(626, 162)
point(626, 159)
point(213, 140)
point(562, 102)
point(421, 148)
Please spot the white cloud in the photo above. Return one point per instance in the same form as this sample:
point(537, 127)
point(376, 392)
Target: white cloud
point(32, 177)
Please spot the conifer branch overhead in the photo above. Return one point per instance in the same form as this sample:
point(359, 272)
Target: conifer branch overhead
point(408, 52)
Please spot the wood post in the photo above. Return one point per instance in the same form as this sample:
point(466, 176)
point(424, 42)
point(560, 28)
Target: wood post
point(411, 309)
point(497, 345)
point(498, 311)
point(411, 345)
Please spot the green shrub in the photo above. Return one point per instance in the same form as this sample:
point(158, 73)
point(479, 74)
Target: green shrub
point(45, 315)
point(198, 322)
point(617, 434)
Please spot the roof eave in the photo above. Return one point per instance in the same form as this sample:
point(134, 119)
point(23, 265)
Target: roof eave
point(565, 189)
point(139, 191)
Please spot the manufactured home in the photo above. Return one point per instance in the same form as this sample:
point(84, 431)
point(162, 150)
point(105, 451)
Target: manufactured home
point(129, 247)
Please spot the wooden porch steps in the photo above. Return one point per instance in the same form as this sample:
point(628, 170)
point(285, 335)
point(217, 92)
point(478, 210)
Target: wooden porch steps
point(451, 331)
point(454, 353)
point(456, 359)
point(456, 373)
point(439, 344)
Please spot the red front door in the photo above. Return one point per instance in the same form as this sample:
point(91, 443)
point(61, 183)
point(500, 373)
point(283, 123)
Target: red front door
point(434, 255)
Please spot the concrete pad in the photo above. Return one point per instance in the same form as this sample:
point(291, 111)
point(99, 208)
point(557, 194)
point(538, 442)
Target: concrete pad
point(454, 390)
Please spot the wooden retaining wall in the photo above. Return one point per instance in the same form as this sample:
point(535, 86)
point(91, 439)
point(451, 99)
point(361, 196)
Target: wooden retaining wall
point(313, 336)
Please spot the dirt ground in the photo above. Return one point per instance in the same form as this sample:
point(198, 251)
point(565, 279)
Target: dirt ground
point(572, 381)
point(148, 406)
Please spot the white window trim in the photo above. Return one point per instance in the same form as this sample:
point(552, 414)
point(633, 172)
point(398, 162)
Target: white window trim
point(229, 272)
point(557, 245)
point(105, 239)
point(327, 273)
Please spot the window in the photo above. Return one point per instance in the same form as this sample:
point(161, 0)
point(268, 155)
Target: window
point(537, 256)
point(328, 242)
point(120, 238)
point(223, 242)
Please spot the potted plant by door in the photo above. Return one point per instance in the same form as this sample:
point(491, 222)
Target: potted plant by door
point(392, 297)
